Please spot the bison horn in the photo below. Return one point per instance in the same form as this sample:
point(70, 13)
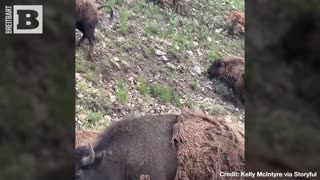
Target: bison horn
point(89, 159)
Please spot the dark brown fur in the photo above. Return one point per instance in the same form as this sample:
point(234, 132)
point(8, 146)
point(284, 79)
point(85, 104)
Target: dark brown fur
point(87, 18)
point(231, 71)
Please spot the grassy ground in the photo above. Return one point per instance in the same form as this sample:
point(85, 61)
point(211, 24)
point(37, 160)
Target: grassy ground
point(152, 60)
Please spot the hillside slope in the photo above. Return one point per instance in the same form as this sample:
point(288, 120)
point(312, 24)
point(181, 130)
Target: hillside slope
point(152, 60)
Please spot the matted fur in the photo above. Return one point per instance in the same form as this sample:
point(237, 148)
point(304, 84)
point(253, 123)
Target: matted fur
point(237, 17)
point(231, 71)
point(84, 137)
point(207, 146)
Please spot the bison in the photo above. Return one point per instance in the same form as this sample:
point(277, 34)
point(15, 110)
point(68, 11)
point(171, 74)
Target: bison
point(87, 18)
point(231, 71)
point(163, 147)
point(237, 23)
point(131, 148)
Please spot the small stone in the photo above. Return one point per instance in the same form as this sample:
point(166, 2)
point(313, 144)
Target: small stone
point(107, 118)
point(78, 76)
point(159, 47)
point(197, 70)
point(218, 30)
point(82, 117)
point(132, 80)
point(160, 53)
point(171, 66)
point(112, 98)
point(116, 59)
point(80, 96)
point(164, 58)
point(157, 76)
point(195, 43)
point(190, 53)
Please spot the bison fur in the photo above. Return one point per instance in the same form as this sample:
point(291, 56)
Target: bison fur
point(230, 70)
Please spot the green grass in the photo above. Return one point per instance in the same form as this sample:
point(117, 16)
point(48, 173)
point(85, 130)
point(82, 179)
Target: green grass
point(165, 94)
point(93, 77)
point(174, 49)
point(143, 105)
point(161, 92)
point(152, 28)
point(81, 86)
point(124, 16)
point(213, 54)
point(80, 62)
point(184, 41)
point(143, 87)
point(195, 85)
point(138, 7)
point(94, 117)
point(122, 92)
point(171, 27)
point(112, 3)
point(238, 4)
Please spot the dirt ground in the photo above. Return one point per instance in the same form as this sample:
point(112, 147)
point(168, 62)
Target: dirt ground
point(84, 137)
point(152, 60)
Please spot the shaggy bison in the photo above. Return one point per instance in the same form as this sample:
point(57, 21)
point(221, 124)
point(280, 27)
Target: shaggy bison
point(87, 18)
point(230, 70)
point(237, 23)
point(189, 146)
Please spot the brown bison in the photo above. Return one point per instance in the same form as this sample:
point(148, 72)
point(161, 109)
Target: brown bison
point(237, 23)
point(163, 147)
point(230, 70)
point(87, 18)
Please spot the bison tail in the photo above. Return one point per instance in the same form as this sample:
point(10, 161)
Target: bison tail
point(111, 12)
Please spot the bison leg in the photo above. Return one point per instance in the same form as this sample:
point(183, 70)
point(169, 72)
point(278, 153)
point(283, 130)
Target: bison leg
point(80, 41)
point(90, 49)
point(176, 5)
point(89, 34)
point(161, 3)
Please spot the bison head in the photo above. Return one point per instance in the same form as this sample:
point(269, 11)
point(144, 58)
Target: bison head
point(91, 165)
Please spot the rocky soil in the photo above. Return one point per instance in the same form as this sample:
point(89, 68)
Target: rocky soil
point(154, 61)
